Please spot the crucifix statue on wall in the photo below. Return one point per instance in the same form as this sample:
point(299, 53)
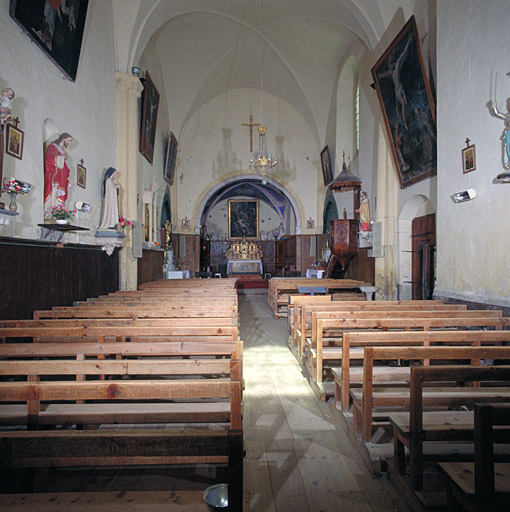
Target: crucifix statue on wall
point(251, 124)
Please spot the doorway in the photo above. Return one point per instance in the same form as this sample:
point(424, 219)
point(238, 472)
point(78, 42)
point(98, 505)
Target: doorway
point(423, 247)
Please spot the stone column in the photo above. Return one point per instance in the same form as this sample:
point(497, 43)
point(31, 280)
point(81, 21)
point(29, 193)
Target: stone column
point(387, 210)
point(129, 89)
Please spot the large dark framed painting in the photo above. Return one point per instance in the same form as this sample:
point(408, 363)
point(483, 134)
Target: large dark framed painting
point(327, 172)
point(407, 106)
point(56, 26)
point(243, 218)
point(150, 104)
point(170, 159)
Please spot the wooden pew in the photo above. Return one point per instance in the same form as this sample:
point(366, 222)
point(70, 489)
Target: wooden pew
point(189, 443)
point(181, 310)
point(366, 399)
point(280, 288)
point(331, 329)
point(410, 432)
point(173, 331)
point(485, 483)
point(353, 344)
point(294, 308)
point(304, 326)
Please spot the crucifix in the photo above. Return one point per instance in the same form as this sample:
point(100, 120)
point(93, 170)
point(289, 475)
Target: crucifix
point(251, 124)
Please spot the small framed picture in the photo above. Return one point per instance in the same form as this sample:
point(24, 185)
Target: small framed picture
point(14, 142)
point(468, 159)
point(81, 176)
point(310, 224)
point(186, 224)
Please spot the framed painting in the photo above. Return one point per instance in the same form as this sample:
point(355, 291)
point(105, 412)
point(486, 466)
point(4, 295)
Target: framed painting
point(468, 159)
point(150, 104)
point(170, 159)
point(14, 142)
point(186, 224)
point(407, 107)
point(56, 27)
point(243, 218)
point(327, 172)
point(81, 176)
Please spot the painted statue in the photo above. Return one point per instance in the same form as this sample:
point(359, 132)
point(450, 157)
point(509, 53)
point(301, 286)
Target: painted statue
point(364, 212)
point(505, 137)
point(56, 173)
point(110, 213)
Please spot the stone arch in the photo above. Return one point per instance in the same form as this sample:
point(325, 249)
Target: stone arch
point(238, 179)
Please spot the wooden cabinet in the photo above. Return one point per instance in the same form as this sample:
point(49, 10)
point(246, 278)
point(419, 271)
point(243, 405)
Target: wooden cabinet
point(218, 260)
point(268, 248)
point(281, 257)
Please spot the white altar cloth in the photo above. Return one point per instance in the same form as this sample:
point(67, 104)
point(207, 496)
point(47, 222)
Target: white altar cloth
point(177, 274)
point(244, 267)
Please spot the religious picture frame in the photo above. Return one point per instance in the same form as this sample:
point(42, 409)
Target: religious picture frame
point(243, 218)
point(58, 32)
point(327, 172)
point(468, 159)
point(170, 159)
point(407, 107)
point(310, 224)
point(81, 176)
point(186, 224)
point(15, 139)
point(150, 105)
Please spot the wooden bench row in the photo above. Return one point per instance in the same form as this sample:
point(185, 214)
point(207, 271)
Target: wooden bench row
point(168, 354)
point(107, 394)
point(325, 343)
point(302, 324)
point(422, 426)
point(279, 290)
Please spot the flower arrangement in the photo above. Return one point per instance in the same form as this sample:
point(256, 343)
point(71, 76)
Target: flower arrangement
point(124, 222)
point(60, 213)
point(12, 187)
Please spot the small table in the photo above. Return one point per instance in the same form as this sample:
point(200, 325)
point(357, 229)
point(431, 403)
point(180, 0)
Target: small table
point(314, 273)
point(62, 228)
point(312, 290)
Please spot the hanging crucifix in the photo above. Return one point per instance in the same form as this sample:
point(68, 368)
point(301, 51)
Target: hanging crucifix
point(251, 124)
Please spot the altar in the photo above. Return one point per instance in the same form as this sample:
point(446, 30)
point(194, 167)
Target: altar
point(244, 267)
point(244, 257)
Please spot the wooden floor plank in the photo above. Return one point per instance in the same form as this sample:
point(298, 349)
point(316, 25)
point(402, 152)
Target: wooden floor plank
point(311, 465)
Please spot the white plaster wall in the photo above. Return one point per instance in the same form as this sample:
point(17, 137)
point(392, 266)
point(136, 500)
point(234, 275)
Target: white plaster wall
point(150, 174)
point(214, 146)
point(473, 238)
point(85, 108)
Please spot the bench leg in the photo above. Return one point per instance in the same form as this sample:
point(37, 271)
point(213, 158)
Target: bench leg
point(235, 471)
point(399, 455)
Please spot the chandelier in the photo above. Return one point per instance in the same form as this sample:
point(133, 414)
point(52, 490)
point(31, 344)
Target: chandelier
point(262, 161)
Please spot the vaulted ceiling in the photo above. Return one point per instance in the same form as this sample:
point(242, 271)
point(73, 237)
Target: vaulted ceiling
point(289, 48)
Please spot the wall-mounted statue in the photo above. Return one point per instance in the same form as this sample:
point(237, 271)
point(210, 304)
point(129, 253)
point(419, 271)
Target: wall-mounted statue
point(364, 212)
point(110, 212)
point(56, 173)
point(5, 105)
point(505, 137)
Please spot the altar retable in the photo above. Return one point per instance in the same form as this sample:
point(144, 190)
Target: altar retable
point(244, 257)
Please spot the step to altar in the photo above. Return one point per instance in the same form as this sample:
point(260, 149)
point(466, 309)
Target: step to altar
point(246, 281)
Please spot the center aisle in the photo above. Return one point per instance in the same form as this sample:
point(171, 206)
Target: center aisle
point(297, 455)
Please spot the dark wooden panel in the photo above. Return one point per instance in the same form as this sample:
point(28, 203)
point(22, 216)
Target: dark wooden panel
point(150, 266)
point(361, 267)
point(40, 275)
point(423, 234)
